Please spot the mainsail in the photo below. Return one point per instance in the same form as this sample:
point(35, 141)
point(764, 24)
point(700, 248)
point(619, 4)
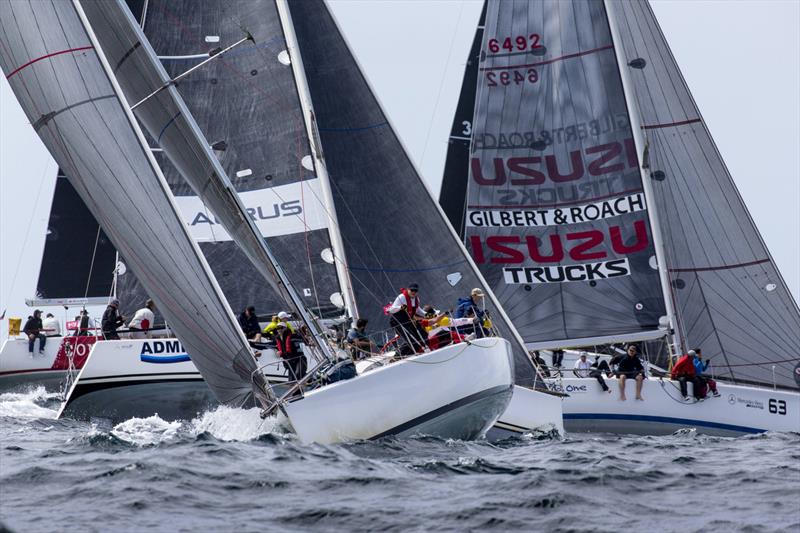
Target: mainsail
point(730, 297)
point(393, 231)
point(65, 84)
point(556, 215)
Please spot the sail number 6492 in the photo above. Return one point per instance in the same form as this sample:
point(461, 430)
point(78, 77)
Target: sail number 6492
point(520, 42)
point(507, 77)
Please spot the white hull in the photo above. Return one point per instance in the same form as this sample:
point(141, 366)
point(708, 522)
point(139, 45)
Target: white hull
point(529, 412)
point(739, 409)
point(19, 371)
point(458, 391)
point(140, 378)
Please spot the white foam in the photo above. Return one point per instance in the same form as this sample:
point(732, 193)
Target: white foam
point(229, 424)
point(27, 404)
point(146, 431)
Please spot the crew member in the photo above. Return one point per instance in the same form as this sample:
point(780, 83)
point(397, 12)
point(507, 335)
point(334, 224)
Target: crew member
point(111, 320)
point(404, 315)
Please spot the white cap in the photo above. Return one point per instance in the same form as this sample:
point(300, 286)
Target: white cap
point(283, 314)
point(692, 353)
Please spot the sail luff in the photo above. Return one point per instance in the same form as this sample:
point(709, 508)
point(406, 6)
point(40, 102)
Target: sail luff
point(339, 255)
point(644, 169)
point(168, 119)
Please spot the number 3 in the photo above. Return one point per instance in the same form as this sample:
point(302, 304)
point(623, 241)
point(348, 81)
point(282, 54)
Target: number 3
point(467, 128)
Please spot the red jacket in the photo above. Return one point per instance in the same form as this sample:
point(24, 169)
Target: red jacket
point(684, 367)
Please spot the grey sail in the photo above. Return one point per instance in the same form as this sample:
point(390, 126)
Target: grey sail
point(246, 106)
point(64, 84)
point(394, 233)
point(730, 297)
point(556, 216)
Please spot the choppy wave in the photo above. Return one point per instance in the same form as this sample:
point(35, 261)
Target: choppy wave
point(34, 403)
point(227, 469)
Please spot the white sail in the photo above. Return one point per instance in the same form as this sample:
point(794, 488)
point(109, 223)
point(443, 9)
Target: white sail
point(66, 87)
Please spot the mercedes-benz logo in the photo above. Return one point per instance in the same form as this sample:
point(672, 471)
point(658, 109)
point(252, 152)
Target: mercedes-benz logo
point(731, 399)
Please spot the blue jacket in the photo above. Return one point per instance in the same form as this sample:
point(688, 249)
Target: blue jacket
point(699, 366)
point(464, 305)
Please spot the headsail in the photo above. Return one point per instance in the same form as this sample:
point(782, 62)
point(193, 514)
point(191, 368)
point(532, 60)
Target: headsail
point(729, 294)
point(393, 231)
point(556, 216)
point(256, 132)
point(65, 85)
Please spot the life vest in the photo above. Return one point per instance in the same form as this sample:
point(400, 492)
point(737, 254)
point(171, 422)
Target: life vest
point(411, 304)
point(285, 348)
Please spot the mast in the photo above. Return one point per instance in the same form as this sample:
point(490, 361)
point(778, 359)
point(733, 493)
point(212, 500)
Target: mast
point(640, 143)
point(306, 104)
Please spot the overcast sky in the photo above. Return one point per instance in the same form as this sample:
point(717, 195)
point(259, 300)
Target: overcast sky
point(741, 60)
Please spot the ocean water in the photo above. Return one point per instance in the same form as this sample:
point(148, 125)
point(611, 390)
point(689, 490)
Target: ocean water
point(227, 470)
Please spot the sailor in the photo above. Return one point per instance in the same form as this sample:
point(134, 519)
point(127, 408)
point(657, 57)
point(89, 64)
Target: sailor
point(289, 349)
point(630, 368)
point(248, 321)
point(142, 321)
point(51, 326)
point(404, 315)
point(598, 367)
point(540, 363)
point(84, 324)
point(473, 305)
point(112, 320)
point(700, 368)
point(33, 329)
point(582, 366)
point(272, 327)
point(684, 371)
point(360, 344)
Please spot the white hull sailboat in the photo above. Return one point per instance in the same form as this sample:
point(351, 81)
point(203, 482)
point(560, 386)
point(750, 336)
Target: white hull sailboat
point(585, 182)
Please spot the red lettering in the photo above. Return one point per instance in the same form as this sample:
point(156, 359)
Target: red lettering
point(580, 252)
point(641, 239)
point(630, 151)
point(576, 169)
point(477, 249)
point(499, 172)
point(512, 255)
point(516, 164)
point(609, 152)
point(555, 243)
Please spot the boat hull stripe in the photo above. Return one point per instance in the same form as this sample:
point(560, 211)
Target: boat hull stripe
point(442, 410)
point(661, 419)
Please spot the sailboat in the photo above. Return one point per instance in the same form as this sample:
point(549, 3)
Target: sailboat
point(92, 50)
point(593, 199)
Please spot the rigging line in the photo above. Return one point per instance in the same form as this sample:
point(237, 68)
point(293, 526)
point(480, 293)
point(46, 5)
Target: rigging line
point(91, 264)
point(30, 223)
point(441, 84)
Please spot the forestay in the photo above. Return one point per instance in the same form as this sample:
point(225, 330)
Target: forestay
point(65, 86)
point(394, 233)
point(730, 297)
point(246, 105)
point(556, 215)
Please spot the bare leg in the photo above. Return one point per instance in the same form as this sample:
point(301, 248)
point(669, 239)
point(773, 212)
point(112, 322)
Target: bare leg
point(639, 383)
point(622, 387)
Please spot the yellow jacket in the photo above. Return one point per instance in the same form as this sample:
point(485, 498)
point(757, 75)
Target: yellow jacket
point(272, 326)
